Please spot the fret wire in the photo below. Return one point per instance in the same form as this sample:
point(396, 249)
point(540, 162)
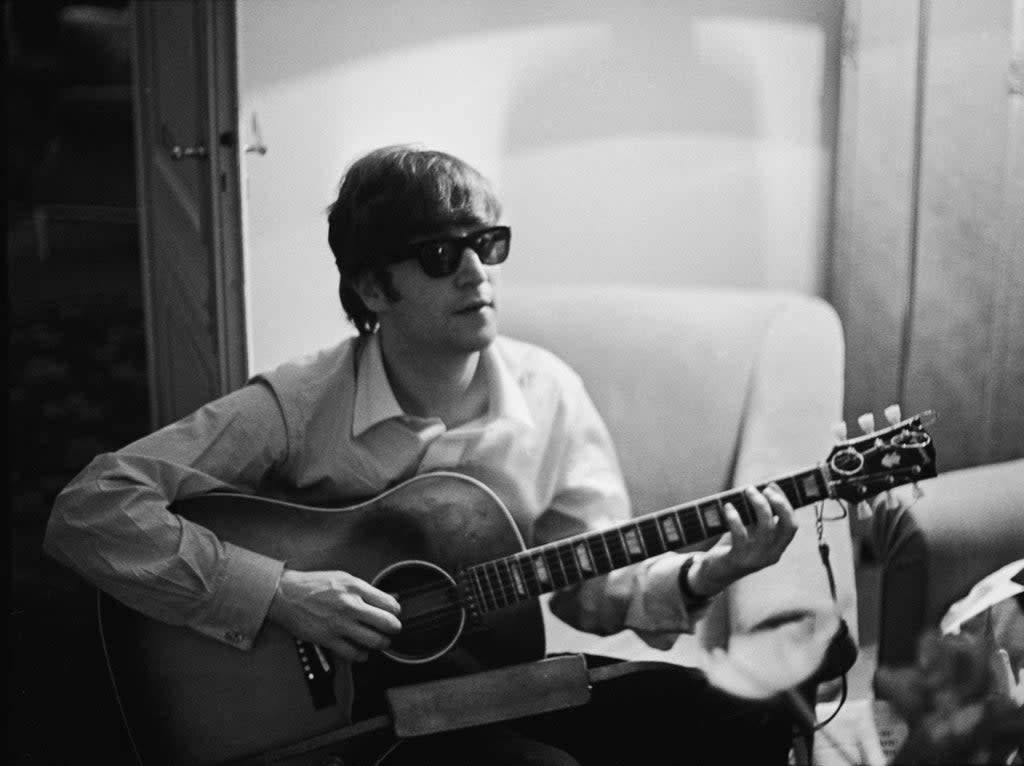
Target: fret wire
point(739, 502)
point(504, 569)
point(551, 558)
point(483, 591)
point(656, 520)
point(700, 519)
point(651, 542)
point(680, 525)
point(528, 573)
point(506, 586)
point(793, 492)
point(539, 562)
point(478, 594)
point(600, 563)
point(604, 542)
point(671, 518)
point(620, 557)
point(631, 532)
point(693, 527)
point(584, 560)
point(820, 485)
point(565, 550)
point(495, 583)
point(508, 593)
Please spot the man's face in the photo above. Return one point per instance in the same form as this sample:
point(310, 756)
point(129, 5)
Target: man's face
point(449, 315)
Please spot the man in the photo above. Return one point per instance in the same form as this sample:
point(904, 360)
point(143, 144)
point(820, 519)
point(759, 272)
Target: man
point(427, 385)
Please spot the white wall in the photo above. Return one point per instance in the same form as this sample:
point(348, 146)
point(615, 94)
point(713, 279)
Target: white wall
point(683, 142)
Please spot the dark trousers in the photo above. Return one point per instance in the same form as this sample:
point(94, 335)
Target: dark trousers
point(662, 714)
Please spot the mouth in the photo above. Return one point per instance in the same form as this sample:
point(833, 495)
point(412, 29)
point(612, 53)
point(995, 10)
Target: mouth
point(475, 307)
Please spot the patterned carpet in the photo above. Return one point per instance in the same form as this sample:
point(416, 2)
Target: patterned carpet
point(77, 386)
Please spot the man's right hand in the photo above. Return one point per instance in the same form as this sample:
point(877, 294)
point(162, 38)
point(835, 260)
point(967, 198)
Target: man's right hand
point(337, 611)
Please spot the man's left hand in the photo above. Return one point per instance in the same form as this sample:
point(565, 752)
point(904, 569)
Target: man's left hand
point(744, 550)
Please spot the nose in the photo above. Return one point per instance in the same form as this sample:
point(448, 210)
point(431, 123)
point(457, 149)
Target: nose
point(471, 270)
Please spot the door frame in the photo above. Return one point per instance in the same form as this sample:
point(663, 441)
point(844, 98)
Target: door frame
point(218, 45)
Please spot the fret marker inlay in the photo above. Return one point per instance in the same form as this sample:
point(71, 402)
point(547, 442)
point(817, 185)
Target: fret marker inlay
point(518, 578)
point(671, 532)
point(633, 543)
point(541, 568)
point(583, 557)
point(712, 516)
point(811, 486)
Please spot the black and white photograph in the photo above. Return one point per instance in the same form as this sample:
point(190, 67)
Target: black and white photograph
point(534, 383)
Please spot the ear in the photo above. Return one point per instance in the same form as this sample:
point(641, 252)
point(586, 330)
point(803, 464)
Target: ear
point(368, 289)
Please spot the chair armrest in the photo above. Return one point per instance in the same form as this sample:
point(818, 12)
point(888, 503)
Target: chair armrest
point(934, 549)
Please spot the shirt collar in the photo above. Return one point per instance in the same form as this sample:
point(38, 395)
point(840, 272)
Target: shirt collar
point(506, 396)
point(375, 402)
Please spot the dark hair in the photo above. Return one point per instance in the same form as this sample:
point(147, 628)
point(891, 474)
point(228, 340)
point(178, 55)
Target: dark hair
point(389, 196)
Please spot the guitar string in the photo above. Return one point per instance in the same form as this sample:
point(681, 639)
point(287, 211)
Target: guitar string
point(511, 593)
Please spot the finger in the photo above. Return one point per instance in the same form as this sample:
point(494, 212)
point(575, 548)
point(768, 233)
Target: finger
point(379, 620)
point(781, 506)
point(762, 510)
point(376, 597)
point(365, 637)
point(736, 528)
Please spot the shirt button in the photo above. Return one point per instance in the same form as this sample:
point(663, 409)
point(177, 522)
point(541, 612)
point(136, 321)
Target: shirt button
point(234, 637)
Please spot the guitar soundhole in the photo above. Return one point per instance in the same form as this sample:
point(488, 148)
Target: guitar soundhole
point(432, 615)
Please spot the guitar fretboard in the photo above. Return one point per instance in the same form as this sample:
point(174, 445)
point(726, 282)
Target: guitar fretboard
point(526, 575)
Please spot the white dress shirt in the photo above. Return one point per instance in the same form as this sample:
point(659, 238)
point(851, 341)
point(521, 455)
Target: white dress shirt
point(326, 430)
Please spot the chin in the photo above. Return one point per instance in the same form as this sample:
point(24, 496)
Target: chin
point(477, 341)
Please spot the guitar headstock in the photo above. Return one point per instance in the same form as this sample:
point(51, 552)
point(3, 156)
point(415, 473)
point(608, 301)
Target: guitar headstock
point(901, 454)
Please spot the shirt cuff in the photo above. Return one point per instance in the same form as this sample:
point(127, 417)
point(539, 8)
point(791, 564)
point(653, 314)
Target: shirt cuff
point(243, 597)
point(661, 608)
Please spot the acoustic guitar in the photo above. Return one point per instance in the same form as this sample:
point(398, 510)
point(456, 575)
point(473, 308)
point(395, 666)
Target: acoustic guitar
point(447, 548)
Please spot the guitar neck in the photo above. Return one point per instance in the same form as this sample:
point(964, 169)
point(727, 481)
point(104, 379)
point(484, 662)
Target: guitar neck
point(526, 575)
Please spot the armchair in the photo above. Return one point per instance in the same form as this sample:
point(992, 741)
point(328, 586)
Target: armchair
point(704, 390)
point(934, 549)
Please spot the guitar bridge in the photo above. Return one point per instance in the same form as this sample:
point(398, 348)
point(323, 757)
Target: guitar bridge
point(318, 669)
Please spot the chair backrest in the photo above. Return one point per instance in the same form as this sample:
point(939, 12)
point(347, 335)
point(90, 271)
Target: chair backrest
point(675, 371)
point(703, 390)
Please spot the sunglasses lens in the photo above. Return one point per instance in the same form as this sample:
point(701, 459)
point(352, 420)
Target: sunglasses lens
point(492, 246)
point(441, 258)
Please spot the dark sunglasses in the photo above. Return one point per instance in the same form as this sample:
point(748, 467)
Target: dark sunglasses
point(441, 257)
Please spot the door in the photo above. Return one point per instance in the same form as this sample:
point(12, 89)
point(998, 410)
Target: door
point(185, 85)
point(928, 263)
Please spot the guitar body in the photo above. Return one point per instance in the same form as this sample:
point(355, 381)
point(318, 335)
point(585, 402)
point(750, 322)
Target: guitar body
point(189, 699)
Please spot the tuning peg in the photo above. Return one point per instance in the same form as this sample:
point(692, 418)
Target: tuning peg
point(839, 430)
point(892, 414)
point(866, 422)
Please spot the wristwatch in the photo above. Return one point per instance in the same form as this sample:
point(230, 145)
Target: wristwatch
point(690, 598)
